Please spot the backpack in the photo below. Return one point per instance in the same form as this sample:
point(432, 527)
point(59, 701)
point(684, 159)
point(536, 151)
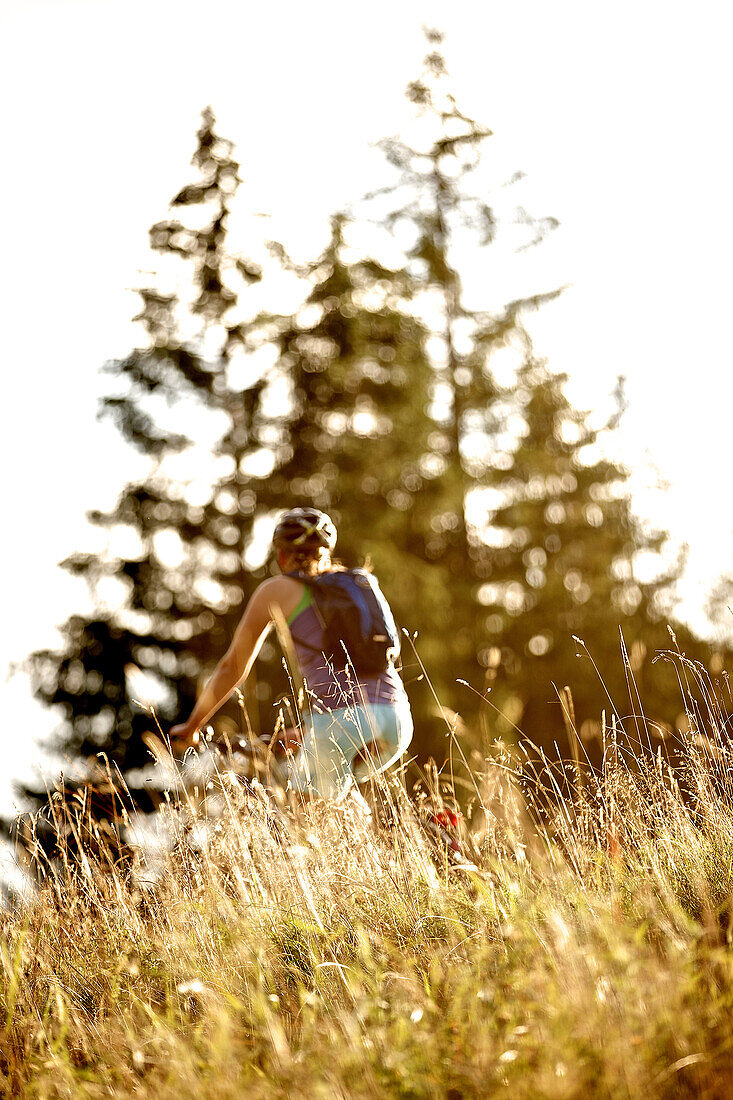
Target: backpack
point(359, 630)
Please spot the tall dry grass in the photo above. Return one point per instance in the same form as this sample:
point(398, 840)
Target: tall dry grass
point(581, 947)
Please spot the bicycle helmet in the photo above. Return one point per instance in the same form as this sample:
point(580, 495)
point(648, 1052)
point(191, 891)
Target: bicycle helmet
point(306, 527)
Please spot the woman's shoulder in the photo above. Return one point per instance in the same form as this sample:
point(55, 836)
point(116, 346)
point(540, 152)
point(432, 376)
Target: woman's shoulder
point(277, 586)
point(283, 590)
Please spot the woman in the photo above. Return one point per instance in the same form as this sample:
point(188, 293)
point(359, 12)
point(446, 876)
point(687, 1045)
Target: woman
point(354, 726)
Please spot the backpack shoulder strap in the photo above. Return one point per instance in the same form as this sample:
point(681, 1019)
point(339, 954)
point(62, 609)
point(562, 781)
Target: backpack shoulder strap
point(311, 582)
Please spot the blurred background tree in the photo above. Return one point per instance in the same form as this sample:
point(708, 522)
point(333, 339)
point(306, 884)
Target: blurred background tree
point(431, 207)
point(173, 557)
point(496, 532)
point(569, 568)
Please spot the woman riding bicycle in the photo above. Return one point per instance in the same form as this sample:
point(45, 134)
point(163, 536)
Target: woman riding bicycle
point(355, 723)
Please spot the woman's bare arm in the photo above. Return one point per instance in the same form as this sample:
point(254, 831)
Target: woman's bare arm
point(237, 662)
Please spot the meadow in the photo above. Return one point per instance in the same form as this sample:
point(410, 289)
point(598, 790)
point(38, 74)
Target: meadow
point(578, 944)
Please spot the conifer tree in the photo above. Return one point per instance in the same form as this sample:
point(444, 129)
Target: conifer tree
point(435, 203)
point(177, 376)
point(364, 443)
point(564, 576)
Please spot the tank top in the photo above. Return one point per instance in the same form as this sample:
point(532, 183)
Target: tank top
point(336, 688)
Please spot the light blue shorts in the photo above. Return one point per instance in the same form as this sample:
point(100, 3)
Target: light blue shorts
point(324, 764)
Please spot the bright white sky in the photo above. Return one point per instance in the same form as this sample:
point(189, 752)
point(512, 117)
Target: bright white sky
point(617, 112)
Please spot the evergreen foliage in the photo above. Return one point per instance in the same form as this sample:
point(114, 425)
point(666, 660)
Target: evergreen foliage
point(565, 577)
point(432, 205)
point(180, 564)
